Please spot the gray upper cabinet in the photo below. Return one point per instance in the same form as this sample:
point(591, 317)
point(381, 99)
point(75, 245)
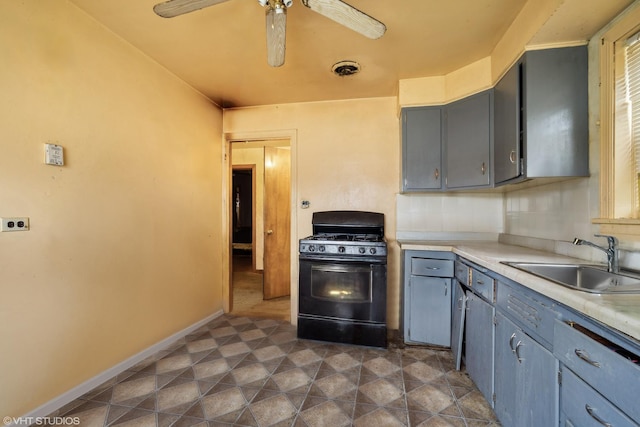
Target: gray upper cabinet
point(468, 141)
point(541, 117)
point(421, 149)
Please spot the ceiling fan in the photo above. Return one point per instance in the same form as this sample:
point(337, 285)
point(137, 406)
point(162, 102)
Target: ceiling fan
point(276, 19)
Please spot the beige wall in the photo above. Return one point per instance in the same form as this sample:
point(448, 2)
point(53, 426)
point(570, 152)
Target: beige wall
point(124, 238)
point(346, 156)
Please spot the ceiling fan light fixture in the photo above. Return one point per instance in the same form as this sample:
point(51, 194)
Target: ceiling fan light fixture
point(276, 19)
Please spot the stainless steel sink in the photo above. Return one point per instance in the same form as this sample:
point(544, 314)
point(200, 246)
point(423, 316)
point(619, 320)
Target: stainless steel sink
point(586, 278)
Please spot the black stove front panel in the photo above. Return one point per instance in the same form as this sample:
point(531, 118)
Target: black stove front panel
point(343, 301)
point(319, 247)
point(343, 279)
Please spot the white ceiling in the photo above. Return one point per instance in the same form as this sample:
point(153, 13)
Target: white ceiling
point(221, 50)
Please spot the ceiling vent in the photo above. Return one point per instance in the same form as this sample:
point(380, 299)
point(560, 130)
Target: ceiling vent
point(345, 68)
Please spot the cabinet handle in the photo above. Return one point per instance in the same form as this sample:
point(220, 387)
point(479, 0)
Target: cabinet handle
point(582, 355)
point(446, 289)
point(512, 156)
point(520, 359)
point(432, 268)
point(437, 174)
point(483, 168)
point(513, 336)
point(479, 282)
point(595, 416)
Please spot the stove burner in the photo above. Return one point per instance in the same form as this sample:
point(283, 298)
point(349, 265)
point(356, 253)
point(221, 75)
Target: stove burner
point(347, 237)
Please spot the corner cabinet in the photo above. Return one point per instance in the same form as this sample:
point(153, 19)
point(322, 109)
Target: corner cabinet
point(541, 117)
point(421, 149)
point(469, 127)
point(448, 147)
point(428, 280)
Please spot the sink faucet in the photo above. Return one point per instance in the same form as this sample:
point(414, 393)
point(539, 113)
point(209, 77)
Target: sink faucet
point(611, 251)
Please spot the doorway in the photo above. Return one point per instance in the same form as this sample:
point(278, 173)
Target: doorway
point(260, 229)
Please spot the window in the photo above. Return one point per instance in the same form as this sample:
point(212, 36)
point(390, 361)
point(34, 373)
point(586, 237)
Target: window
point(620, 127)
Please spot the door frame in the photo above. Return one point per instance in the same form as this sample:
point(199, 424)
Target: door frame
point(227, 201)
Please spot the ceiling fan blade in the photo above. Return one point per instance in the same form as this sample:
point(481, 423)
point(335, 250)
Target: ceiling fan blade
point(172, 8)
point(276, 35)
point(348, 16)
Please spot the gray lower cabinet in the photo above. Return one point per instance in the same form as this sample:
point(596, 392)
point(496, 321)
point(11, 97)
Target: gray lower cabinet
point(539, 362)
point(428, 289)
point(592, 361)
point(421, 149)
point(526, 382)
point(582, 406)
point(479, 341)
point(469, 141)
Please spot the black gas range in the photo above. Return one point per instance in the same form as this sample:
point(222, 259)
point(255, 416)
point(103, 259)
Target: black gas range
point(343, 279)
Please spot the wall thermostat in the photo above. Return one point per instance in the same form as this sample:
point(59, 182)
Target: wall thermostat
point(53, 154)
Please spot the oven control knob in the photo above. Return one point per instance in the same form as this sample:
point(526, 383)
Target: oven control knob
point(361, 250)
point(321, 248)
point(312, 248)
point(341, 249)
point(373, 251)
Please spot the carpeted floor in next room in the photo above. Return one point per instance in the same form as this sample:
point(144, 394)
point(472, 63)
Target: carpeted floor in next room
point(244, 371)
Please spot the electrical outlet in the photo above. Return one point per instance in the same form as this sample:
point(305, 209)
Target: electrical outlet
point(14, 224)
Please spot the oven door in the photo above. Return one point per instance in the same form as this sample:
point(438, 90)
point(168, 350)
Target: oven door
point(343, 289)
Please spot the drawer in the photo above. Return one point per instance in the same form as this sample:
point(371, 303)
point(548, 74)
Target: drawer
point(600, 363)
point(462, 272)
point(482, 284)
point(582, 406)
point(431, 267)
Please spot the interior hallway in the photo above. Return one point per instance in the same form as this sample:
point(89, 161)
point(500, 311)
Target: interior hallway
point(247, 292)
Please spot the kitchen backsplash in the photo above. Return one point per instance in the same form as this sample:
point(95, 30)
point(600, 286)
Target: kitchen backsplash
point(547, 217)
point(450, 213)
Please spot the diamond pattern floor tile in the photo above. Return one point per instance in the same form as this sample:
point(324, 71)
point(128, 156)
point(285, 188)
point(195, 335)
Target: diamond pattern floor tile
point(242, 371)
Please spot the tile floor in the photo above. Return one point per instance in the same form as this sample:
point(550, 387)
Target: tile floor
point(241, 371)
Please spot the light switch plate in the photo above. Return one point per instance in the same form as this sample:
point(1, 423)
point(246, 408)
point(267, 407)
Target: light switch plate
point(53, 154)
point(14, 224)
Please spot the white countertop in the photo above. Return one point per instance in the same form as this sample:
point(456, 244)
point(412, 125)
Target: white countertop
point(620, 311)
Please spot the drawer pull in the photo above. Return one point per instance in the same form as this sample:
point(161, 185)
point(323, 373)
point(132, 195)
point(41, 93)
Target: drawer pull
point(595, 416)
point(432, 268)
point(582, 355)
point(520, 359)
point(513, 336)
point(479, 282)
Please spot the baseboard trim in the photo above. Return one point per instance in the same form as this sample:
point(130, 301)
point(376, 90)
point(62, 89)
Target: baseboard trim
point(67, 397)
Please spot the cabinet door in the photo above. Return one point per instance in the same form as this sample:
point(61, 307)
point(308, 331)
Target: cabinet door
point(468, 141)
point(526, 383)
point(506, 371)
point(457, 322)
point(537, 384)
point(507, 137)
point(479, 339)
point(430, 310)
point(421, 148)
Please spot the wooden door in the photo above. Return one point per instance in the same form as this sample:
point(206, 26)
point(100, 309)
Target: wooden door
point(277, 220)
